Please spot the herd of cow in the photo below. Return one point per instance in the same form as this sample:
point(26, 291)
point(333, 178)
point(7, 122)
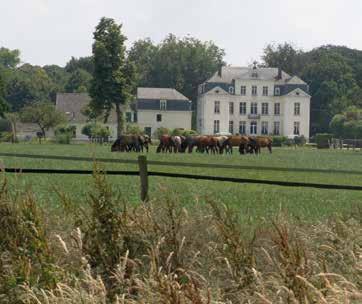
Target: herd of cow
point(200, 143)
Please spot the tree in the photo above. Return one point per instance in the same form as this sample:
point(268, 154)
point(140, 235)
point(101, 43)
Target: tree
point(3, 103)
point(78, 82)
point(113, 78)
point(58, 75)
point(180, 63)
point(284, 56)
point(9, 58)
point(13, 119)
point(28, 84)
point(348, 124)
point(43, 114)
point(84, 63)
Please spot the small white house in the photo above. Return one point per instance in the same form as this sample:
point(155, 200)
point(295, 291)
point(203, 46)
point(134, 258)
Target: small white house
point(153, 108)
point(162, 107)
point(253, 101)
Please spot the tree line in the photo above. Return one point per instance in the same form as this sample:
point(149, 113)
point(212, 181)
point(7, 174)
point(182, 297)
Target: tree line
point(112, 73)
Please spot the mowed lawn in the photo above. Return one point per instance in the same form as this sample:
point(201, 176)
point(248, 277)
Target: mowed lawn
point(252, 200)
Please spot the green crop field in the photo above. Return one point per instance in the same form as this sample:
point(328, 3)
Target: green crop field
point(253, 200)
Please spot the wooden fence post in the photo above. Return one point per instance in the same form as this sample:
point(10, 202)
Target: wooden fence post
point(142, 164)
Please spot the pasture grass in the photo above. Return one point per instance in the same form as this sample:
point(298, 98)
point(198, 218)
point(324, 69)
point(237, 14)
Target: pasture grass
point(255, 202)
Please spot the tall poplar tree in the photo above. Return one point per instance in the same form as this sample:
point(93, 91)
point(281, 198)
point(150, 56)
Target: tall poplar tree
point(113, 76)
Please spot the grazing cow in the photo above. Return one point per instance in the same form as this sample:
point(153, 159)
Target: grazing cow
point(126, 143)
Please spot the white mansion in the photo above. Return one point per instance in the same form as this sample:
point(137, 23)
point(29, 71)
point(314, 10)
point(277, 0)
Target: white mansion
point(255, 101)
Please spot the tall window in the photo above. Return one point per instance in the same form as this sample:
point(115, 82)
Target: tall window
point(277, 91)
point(243, 90)
point(264, 127)
point(231, 127)
point(276, 130)
point(253, 108)
point(254, 90)
point(264, 108)
point(163, 104)
point(231, 90)
point(253, 127)
point(277, 108)
point(135, 117)
point(217, 107)
point(265, 91)
point(296, 128)
point(242, 127)
point(158, 117)
point(231, 108)
point(216, 126)
point(128, 117)
point(242, 108)
point(297, 109)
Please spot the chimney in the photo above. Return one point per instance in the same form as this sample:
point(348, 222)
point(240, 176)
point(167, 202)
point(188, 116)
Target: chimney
point(279, 73)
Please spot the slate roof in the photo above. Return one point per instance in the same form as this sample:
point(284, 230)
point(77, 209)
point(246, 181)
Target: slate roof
point(72, 105)
point(229, 73)
point(159, 93)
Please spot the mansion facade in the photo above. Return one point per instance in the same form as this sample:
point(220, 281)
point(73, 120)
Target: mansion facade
point(253, 101)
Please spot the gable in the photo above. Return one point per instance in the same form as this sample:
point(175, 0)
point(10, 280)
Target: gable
point(298, 93)
point(217, 90)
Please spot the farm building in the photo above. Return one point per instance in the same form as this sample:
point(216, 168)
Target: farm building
point(162, 107)
point(253, 101)
point(152, 109)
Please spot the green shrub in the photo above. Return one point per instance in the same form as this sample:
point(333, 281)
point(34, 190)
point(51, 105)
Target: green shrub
point(300, 140)
point(87, 130)
point(5, 125)
point(63, 138)
point(189, 132)
point(323, 140)
point(278, 141)
point(177, 132)
point(161, 131)
point(133, 129)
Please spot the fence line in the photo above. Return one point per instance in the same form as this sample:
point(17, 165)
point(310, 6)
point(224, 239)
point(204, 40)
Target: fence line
point(186, 176)
point(183, 164)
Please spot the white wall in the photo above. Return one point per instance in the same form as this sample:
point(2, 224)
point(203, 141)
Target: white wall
point(170, 119)
point(286, 118)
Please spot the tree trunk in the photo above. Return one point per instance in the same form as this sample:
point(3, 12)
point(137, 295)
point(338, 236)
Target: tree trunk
point(119, 120)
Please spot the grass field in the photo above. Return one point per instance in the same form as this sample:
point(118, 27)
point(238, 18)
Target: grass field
point(253, 201)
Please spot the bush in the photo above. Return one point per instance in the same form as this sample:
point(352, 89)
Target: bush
point(323, 140)
point(133, 129)
point(5, 125)
point(189, 133)
point(278, 141)
point(161, 131)
point(63, 138)
point(177, 132)
point(300, 140)
point(87, 130)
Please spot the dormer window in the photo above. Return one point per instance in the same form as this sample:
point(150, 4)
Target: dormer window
point(277, 91)
point(163, 105)
point(231, 90)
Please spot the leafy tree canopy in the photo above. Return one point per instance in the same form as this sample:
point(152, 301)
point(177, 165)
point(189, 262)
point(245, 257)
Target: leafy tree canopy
point(9, 58)
point(43, 114)
point(78, 82)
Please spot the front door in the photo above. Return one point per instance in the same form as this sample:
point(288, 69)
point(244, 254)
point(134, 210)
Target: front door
point(148, 131)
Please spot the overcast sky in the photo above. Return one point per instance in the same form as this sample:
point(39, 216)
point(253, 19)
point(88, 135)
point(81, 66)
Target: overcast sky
point(51, 31)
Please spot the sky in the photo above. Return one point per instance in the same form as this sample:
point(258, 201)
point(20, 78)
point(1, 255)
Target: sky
point(52, 31)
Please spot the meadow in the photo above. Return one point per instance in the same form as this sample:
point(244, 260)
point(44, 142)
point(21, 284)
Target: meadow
point(69, 239)
point(252, 200)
